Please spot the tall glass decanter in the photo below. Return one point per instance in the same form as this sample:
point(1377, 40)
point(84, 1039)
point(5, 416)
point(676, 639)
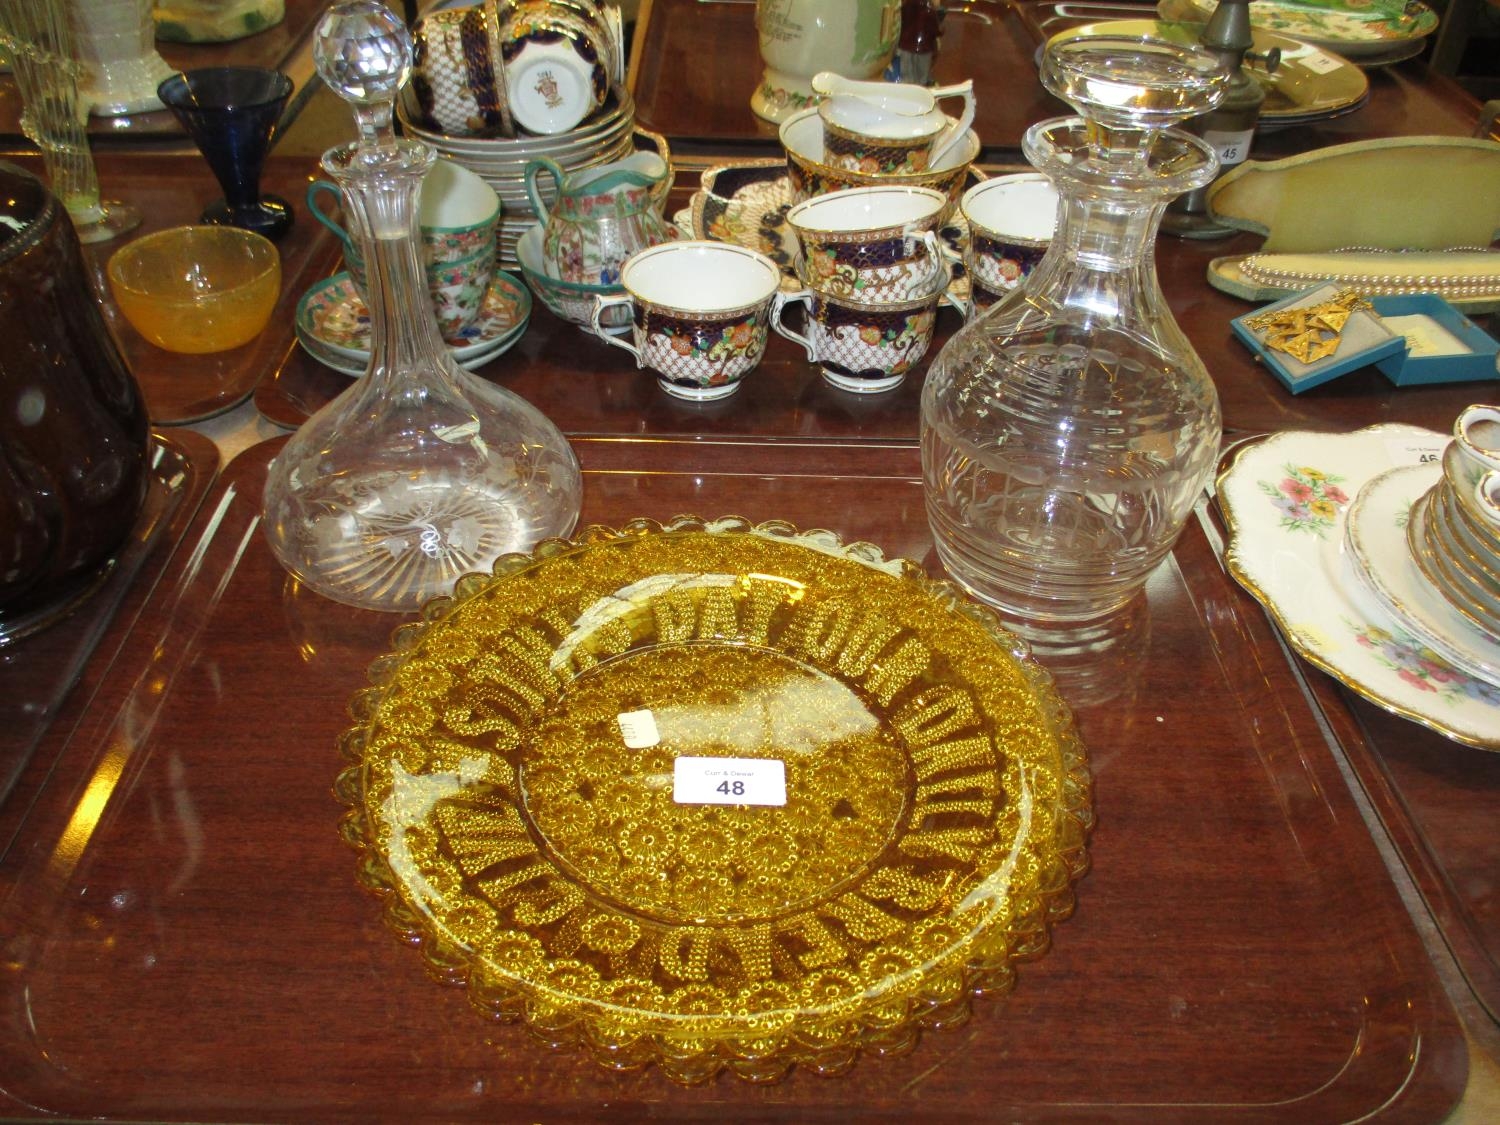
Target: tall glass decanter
point(1067, 432)
point(419, 472)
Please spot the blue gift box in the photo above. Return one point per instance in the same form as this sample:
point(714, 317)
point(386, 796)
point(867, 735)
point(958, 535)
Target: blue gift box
point(1364, 340)
point(1440, 344)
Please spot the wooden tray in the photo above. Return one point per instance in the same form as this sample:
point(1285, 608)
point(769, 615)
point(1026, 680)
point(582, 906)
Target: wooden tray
point(186, 938)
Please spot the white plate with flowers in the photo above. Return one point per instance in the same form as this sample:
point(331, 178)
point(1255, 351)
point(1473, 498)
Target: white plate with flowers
point(1285, 500)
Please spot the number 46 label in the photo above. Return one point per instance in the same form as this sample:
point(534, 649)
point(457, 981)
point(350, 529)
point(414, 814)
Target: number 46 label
point(729, 781)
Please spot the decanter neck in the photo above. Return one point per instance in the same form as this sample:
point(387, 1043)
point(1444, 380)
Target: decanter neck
point(1107, 235)
point(381, 188)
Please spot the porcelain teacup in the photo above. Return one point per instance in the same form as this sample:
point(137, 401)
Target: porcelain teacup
point(701, 313)
point(889, 128)
point(544, 65)
point(870, 244)
point(1471, 464)
point(865, 348)
point(1011, 221)
point(458, 214)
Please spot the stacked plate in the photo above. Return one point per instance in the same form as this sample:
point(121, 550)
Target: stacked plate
point(1385, 535)
point(501, 161)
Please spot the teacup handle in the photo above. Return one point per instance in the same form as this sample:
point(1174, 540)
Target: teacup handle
point(603, 301)
point(1472, 416)
point(316, 188)
point(535, 168)
point(956, 132)
point(778, 310)
point(941, 264)
point(1487, 493)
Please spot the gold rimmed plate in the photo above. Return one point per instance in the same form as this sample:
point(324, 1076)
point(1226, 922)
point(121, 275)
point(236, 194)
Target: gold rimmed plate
point(715, 795)
point(1285, 499)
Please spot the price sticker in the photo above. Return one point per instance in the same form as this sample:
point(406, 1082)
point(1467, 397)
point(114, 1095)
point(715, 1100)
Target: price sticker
point(1318, 62)
point(729, 781)
point(638, 729)
point(1415, 450)
point(1231, 148)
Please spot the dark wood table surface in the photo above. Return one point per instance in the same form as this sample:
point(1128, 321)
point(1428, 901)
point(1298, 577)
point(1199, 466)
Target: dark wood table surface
point(286, 47)
point(172, 189)
point(700, 62)
point(184, 937)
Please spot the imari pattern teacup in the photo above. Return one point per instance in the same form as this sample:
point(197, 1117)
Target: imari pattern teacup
point(865, 348)
point(701, 314)
point(872, 245)
point(1011, 220)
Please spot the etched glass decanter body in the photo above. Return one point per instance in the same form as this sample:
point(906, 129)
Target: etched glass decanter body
point(1067, 432)
point(419, 472)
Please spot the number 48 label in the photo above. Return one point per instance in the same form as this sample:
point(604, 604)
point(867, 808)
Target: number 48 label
point(729, 781)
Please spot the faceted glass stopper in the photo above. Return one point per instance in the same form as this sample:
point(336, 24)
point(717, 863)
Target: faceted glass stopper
point(1125, 82)
point(363, 53)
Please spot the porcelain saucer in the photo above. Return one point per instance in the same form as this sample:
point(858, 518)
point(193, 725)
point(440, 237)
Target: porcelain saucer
point(1285, 499)
point(334, 325)
point(1375, 533)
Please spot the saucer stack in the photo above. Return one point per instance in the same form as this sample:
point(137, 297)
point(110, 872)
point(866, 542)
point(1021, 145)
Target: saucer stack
point(1403, 555)
point(333, 324)
point(1456, 546)
point(501, 161)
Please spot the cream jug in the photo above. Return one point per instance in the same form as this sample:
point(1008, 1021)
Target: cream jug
point(602, 216)
point(861, 117)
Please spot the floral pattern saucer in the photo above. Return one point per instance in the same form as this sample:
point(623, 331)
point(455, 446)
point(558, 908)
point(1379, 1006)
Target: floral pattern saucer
point(1285, 500)
point(334, 325)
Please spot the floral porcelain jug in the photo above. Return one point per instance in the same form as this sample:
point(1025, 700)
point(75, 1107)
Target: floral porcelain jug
point(601, 217)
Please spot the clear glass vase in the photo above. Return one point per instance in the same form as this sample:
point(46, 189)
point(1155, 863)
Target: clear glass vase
point(1067, 432)
point(419, 473)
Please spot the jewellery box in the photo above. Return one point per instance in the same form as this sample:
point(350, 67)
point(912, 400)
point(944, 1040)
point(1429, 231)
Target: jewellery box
point(1385, 217)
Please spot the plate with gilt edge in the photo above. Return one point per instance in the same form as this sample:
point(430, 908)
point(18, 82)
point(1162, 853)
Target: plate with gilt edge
point(518, 793)
point(1376, 535)
point(1285, 500)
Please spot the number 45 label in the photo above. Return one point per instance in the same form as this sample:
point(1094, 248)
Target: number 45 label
point(1232, 148)
point(729, 781)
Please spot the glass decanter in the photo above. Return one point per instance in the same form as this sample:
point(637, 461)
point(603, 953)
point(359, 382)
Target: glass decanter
point(419, 472)
point(1067, 432)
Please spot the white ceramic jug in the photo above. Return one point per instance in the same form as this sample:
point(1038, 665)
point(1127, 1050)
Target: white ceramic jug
point(798, 38)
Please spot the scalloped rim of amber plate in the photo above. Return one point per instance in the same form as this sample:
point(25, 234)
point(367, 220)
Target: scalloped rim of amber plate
point(973, 944)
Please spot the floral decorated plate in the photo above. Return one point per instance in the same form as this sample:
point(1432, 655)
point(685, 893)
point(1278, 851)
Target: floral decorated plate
point(1285, 500)
point(332, 322)
point(1353, 28)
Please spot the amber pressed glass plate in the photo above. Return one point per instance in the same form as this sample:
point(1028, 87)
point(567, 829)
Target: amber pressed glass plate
point(514, 793)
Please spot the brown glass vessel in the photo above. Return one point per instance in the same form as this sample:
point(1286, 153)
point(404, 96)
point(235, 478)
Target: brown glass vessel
point(73, 429)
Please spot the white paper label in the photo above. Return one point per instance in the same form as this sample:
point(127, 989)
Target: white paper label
point(729, 781)
point(1415, 450)
point(638, 729)
point(1319, 62)
point(1231, 148)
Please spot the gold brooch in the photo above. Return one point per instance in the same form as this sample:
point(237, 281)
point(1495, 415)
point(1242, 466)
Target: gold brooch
point(1309, 332)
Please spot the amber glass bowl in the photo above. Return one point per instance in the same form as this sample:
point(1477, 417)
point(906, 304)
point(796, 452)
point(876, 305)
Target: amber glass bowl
point(528, 791)
point(197, 289)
